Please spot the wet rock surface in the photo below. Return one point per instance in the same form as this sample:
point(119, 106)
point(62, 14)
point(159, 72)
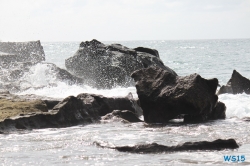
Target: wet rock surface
point(122, 115)
point(218, 144)
point(164, 96)
point(107, 66)
point(83, 109)
point(236, 84)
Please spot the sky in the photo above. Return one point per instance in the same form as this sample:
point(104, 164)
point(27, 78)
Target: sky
point(123, 20)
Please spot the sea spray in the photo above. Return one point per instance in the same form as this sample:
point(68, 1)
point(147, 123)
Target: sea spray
point(237, 105)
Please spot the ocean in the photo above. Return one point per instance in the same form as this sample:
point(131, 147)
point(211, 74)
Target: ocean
point(75, 145)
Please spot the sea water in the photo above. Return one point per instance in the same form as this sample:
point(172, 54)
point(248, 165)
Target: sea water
point(75, 145)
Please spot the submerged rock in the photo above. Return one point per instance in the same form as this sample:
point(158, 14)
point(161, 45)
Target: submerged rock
point(107, 66)
point(218, 144)
point(163, 96)
point(236, 84)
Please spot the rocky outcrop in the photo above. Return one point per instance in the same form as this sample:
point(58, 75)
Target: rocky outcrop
point(122, 115)
point(164, 96)
point(85, 108)
point(106, 66)
point(218, 144)
point(236, 84)
point(21, 52)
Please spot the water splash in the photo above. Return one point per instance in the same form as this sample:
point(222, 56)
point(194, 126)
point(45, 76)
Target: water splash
point(237, 105)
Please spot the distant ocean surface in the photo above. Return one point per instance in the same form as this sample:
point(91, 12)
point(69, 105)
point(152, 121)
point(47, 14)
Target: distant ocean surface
point(74, 145)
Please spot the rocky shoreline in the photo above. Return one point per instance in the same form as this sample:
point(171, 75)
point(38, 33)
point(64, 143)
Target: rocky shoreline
point(162, 94)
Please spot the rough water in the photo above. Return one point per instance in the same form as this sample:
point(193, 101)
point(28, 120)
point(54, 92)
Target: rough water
point(75, 145)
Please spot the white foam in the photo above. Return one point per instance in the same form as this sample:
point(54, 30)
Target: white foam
point(237, 105)
point(39, 75)
point(63, 90)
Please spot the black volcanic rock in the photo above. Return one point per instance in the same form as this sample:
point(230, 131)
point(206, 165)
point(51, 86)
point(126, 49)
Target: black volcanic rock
point(236, 84)
point(164, 96)
point(106, 66)
point(218, 144)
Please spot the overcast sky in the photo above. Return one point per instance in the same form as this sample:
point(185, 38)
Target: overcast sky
point(118, 20)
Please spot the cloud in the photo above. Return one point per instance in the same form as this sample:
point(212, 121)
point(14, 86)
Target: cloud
point(76, 20)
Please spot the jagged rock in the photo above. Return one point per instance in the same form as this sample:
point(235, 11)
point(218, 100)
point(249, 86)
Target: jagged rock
point(111, 65)
point(21, 52)
point(236, 84)
point(85, 108)
point(126, 115)
point(218, 144)
point(164, 96)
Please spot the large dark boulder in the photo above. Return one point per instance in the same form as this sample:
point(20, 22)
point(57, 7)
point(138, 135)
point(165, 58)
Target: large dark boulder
point(21, 52)
point(236, 84)
point(106, 66)
point(218, 144)
point(163, 96)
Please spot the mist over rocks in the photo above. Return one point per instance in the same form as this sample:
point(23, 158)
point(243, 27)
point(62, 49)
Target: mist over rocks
point(236, 84)
point(31, 51)
point(163, 96)
point(107, 66)
point(22, 67)
point(24, 75)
